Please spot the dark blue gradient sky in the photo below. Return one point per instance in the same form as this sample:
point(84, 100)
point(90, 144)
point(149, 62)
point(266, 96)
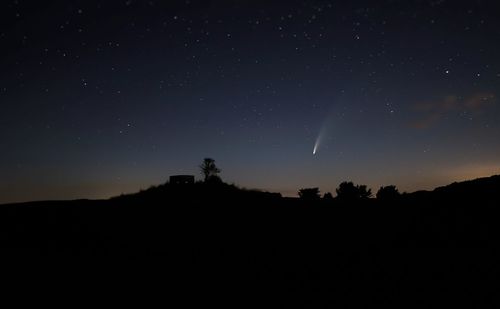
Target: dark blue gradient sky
point(104, 97)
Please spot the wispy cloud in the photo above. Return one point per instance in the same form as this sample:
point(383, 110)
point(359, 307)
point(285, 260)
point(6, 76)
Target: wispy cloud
point(429, 113)
point(479, 101)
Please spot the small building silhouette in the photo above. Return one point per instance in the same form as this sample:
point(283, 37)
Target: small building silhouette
point(182, 179)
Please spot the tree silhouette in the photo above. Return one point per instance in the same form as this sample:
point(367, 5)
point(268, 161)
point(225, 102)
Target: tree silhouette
point(309, 193)
point(209, 170)
point(388, 193)
point(363, 192)
point(349, 192)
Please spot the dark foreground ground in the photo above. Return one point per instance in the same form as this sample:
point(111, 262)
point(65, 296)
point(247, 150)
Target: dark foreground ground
point(215, 242)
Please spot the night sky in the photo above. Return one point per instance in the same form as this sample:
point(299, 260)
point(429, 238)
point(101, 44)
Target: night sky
point(100, 98)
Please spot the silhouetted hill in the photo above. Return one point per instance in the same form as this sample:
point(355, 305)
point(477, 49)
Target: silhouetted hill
point(199, 192)
point(418, 216)
point(482, 189)
point(443, 239)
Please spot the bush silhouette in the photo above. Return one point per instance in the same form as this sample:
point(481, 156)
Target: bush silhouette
point(388, 193)
point(210, 171)
point(309, 193)
point(328, 196)
point(214, 179)
point(347, 191)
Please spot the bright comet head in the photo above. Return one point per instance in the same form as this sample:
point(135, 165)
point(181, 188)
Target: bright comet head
point(316, 145)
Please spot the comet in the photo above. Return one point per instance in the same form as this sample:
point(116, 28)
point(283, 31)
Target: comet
point(318, 140)
point(316, 144)
point(325, 130)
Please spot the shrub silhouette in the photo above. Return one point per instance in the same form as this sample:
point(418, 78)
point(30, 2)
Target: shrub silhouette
point(309, 193)
point(388, 193)
point(214, 179)
point(328, 196)
point(210, 171)
point(347, 191)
